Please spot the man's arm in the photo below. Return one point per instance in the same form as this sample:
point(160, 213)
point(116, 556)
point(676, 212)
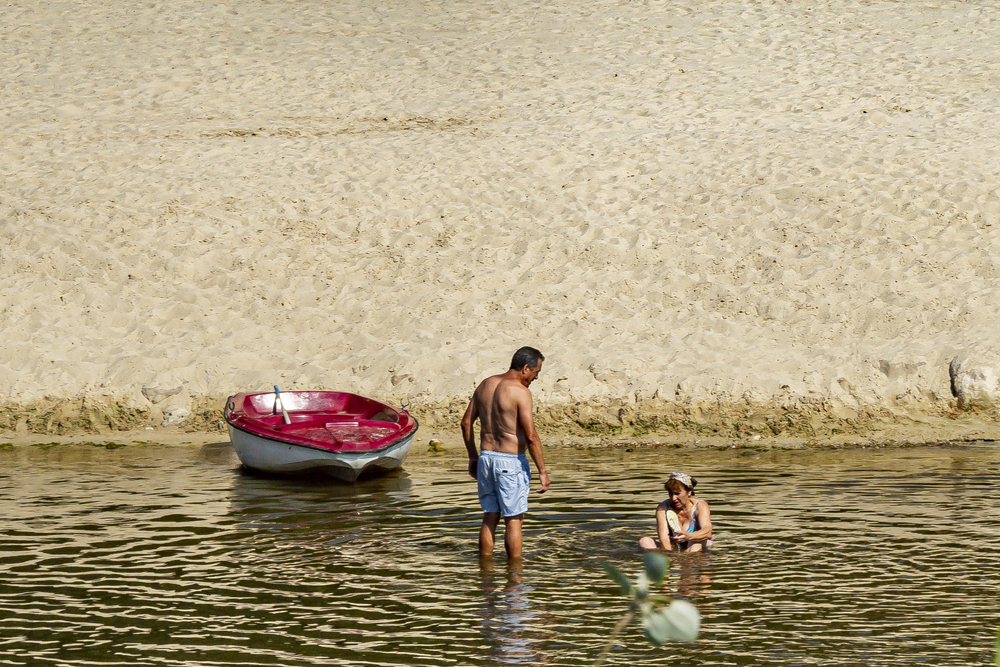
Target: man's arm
point(526, 421)
point(469, 434)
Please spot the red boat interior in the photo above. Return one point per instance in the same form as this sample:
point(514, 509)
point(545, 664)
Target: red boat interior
point(336, 421)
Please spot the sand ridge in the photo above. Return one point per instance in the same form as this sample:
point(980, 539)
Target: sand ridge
point(709, 215)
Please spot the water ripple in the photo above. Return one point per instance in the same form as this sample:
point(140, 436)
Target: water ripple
point(174, 556)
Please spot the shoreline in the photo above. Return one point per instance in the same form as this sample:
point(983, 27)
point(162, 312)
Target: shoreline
point(454, 446)
point(621, 423)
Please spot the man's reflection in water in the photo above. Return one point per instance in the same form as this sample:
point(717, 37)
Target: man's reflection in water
point(507, 613)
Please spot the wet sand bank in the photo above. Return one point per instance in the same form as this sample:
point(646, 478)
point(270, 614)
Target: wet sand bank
point(209, 428)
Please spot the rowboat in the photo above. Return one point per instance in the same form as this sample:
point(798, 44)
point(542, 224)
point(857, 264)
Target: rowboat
point(335, 433)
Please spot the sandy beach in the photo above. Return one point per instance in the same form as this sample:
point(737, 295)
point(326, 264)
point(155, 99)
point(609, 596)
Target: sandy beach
point(732, 219)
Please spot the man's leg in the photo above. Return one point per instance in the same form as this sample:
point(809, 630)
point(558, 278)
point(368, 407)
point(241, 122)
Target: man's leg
point(512, 535)
point(487, 532)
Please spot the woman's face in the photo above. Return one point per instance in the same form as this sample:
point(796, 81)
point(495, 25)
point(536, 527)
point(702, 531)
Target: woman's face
point(679, 498)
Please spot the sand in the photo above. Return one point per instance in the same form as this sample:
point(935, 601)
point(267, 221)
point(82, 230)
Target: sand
point(727, 218)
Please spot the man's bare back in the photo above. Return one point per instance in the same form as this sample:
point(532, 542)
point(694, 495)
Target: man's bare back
point(498, 400)
point(502, 404)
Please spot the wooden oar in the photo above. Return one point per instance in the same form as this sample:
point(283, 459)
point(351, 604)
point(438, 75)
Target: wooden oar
point(284, 413)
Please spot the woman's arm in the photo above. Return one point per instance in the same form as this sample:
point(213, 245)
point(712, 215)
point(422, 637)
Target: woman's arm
point(704, 531)
point(662, 528)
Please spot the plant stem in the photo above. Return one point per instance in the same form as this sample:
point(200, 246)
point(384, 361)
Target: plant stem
point(622, 624)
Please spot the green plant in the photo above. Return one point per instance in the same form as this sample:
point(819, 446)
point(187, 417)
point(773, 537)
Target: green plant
point(678, 622)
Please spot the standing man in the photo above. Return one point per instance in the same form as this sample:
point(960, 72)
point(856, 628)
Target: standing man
point(502, 404)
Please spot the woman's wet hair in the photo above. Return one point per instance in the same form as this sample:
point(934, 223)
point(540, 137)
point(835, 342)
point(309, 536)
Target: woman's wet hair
point(676, 485)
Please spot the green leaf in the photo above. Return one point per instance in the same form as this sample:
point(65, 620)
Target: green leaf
point(642, 586)
point(656, 566)
point(656, 627)
point(997, 660)
point(683, 619)
point(618, 577)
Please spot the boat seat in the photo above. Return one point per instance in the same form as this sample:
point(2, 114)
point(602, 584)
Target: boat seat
point(360, 430)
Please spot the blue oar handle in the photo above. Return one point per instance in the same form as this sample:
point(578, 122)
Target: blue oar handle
point(277, 399)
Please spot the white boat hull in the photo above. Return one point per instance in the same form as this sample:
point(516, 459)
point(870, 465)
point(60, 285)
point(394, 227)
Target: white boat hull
point(282, 457)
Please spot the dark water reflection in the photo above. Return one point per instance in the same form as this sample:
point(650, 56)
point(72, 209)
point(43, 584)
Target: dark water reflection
point(171, 556)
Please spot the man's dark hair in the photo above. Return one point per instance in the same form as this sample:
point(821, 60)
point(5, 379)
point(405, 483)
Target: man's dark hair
point(526, 356)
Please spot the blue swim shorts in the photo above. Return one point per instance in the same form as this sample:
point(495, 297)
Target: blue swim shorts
point(503, 482)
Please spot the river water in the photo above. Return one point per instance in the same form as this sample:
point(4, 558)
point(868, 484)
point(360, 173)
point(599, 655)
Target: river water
point(171, 555)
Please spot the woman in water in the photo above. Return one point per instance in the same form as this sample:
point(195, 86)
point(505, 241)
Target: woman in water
point(681, 519)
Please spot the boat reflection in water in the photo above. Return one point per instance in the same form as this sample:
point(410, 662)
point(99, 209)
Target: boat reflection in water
point(311, 508)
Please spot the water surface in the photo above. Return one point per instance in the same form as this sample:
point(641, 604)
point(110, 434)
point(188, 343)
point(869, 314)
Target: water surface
point(169, 555)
